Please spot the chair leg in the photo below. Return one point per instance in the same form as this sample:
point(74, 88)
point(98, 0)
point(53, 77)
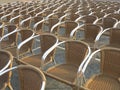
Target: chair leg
point(10, 86)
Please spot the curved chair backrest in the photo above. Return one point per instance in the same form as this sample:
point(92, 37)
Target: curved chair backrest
point(6, 59)
point(99, 14)
point(73, 16)
point(52, 21)
point(47, 41)
point(75, 52)
point(91, 31)
point(114, 15)
point(110, 62)
point(10, 28)
point(30, 78)
point(115, 37)
point(89, 19)
point(26, 34)
point(69, 26)
point(108, 22)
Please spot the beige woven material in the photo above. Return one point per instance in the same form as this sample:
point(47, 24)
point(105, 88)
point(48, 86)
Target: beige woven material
point(5, 57)
point(67, 71)
point(114, 37)
point(25, 34)
point(108, 79)
point(114, 15)
point(99, 14)
point(88, 19)
point(68, 26)
point(30, 78)
point(46, 41)
point(11, 41)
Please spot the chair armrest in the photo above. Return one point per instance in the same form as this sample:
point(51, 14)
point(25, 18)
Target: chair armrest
point(53, 27)
point(74, 30)
point(100, 34)
point(16, 30)
point(6, 66)
point(36, 24)
point(50, 50)
point(60, 19)
point(5, 16)
point(50, 15)
point(14, 18)
point(79, 19)
point(97, 20)
point(87, 61)
point(25, 41)
point(21, 23)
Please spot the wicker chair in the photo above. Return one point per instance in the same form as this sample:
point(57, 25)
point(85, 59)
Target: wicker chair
point(114, 15)
point(18, 35)
point(107, 23)
point(30, 78)
point(35, 20)
point(68, 27)
point(99, 14)
point(6, 17)
point(108, 79)
point(91, 32)
point(76, 53)
point(10, 41)
point(5, 62)
point(46, 41)
point(25, 21)
point(48, 24)
point(86, 19)
point(114, 37)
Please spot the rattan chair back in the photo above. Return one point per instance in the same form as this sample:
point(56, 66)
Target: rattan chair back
point(29, 77)
point(6, 59)
point(110, 62)
point(71, 54)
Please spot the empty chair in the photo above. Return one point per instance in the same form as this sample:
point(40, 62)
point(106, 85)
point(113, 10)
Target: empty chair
point(6, 17)
point(35, 59)
point(6, 60)
point(114, 37)
point(87, 19)
point(109, 76)
point(48, 24)
point(91, 32)
point(114, 15)
point(35, 20)
point(76, 53)
point(63, 33)
point(99, 14)
point(108, 11)
point(10, 40)
point(29, 77)
point(106, 23)
point(17, 37)
point(71, 17)
point(25, 21)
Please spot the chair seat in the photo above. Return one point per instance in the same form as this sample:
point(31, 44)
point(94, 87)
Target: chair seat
point(34, 60)
point(6, 44)
point(62, 38)
point(103, 82)
point(13, 50)
point(64, 72)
